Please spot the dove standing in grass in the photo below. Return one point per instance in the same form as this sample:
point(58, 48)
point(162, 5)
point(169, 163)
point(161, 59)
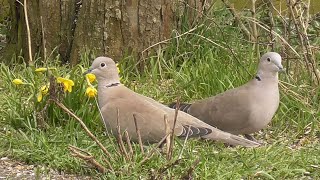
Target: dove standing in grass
point(114, 96)
point(245, 109)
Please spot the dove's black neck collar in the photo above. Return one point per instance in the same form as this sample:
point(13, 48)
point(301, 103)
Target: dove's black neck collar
point(258, 78)
point(112, 85)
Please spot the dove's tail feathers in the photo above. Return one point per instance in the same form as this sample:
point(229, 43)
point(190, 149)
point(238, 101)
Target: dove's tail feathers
point(191, 131)
point(232, 139)
point(185, 107)
point(215, 134)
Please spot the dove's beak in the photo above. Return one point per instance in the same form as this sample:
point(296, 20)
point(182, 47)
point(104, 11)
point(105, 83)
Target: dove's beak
point(88, 71)
point(281, 69)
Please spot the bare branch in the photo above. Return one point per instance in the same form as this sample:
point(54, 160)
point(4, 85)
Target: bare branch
point(120, 141)
point(237, 18)
point(84, 127)
point(169, 155)
point(154, 149)
point(184, 143)
point(128, 142)
point(28, 31)
point(43, 41)
point(191, 169)
point(167, 130)
point(76, 152)
point(20, 2)
point(138, 133)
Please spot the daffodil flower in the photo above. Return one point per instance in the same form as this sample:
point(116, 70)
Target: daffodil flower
point(39, 97)
point(43, 91)
point(90, 77)
point(17, 82)
point(117, 64)
point(118, 67)
point(41, 69)
point(91, 91)
point(67, 83)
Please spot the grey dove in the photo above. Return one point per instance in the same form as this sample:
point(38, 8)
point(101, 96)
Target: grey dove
point(245, 109)
point(114, 97)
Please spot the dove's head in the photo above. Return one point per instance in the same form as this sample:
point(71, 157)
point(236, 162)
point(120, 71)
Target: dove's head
point(270, 64)
point(105, 70)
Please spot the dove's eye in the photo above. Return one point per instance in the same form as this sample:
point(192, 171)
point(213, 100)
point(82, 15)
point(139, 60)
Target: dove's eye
point(268, 59)
point(102, 64)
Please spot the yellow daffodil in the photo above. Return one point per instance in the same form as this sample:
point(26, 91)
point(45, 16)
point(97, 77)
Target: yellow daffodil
point(91, 91)
point(17, 82)
point(118, 70)
point(41, 69)
point(39, 97)
point(90, 77)
point(43, 91)
point(67, 83)
point(118, 67)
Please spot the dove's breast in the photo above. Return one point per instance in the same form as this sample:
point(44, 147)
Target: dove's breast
point(264, 105)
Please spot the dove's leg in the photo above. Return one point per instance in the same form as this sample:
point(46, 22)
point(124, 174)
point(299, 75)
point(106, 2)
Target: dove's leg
point(250, 137)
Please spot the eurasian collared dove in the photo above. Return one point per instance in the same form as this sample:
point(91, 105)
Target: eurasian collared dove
point(114, 97)
point(245, 109)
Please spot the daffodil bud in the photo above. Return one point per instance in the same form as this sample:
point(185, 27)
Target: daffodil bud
point(17, 82)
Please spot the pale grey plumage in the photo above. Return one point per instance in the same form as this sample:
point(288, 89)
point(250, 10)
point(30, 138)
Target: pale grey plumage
point(113, 96)
point(245, 109)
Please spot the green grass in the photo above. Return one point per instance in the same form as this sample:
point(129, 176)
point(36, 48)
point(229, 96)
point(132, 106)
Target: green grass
point(191, 67)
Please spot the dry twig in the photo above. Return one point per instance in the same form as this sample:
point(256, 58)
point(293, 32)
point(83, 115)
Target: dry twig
point(120, 141)
point(254, 28)
point(167, 130)
point(237, 18)
point(167, 40)
point(301, 29)
point(191, 169)
point(169, 155)
point(138, 133)
point(84, 127)
point(154, 149)
point(28, 31)
point(167, 166)
point(272, 24)
point(128, 143)
point(43, 41)
point(184, 143)
point(108, 163)
point(77, 152)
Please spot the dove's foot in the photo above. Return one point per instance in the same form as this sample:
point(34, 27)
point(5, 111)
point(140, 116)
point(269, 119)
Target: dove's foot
point(250, 137)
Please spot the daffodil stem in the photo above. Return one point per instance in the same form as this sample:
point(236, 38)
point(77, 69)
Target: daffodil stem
point(89, 82)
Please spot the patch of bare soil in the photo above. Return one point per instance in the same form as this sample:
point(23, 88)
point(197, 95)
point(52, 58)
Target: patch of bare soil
point(12, 169)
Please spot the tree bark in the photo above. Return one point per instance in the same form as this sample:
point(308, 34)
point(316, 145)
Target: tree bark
point(110, 28)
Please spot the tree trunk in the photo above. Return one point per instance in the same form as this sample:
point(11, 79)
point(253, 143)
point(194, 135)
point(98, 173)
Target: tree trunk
point(110, 28)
